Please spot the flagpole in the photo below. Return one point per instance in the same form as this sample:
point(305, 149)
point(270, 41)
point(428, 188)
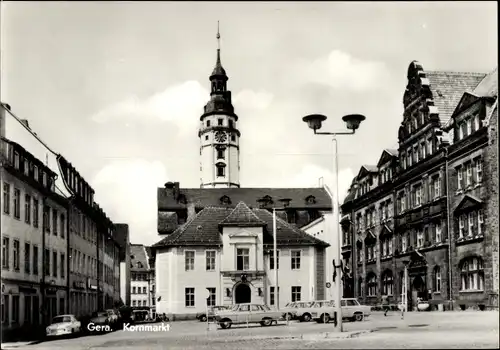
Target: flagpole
point(275, 253)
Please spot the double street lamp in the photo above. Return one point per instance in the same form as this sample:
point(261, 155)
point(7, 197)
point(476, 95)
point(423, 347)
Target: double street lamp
point(352, 121)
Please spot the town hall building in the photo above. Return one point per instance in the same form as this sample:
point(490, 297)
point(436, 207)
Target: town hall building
point(219, 237)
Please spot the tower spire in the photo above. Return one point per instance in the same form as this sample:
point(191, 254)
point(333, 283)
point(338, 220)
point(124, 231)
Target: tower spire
point(218, 36)
point(218, 70)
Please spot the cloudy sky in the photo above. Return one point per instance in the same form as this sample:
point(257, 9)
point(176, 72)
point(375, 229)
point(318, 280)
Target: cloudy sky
point(118, 87)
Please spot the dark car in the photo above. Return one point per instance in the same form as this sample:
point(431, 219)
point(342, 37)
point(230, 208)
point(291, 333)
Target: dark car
point(101, 319)
point(202, 316)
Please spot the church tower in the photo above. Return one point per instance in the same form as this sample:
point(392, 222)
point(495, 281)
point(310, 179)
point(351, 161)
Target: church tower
point(219, 135)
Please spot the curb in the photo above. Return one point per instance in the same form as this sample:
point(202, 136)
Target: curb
point(15, 345)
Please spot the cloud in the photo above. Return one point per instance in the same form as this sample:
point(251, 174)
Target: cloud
point(312, 176)
point(128, 192)
point(340, 70)
point(249, 99)
point(181, 104)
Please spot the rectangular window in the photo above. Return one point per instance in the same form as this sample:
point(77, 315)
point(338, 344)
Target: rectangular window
point(420, 239)
point(272, 295)
point(16, 160)
point(210, 259)
point(479, 170)
point(459, 177)
point(46, 219)
point(35, 212)
point(437, 187)
point(63, 225)
point(189, 297)
point(27, 258)
point(220, 153)
point(296, 293)
point(461, 226)
point(17, 203)
point(477, 122)
point(35, 260)
point(242, 259)
point(423, 150)
point(144, 291)
point(220, 122)
point(133, 290)
point(480, 222)
point(471, 223)
point(27, 208)
point(63, 265)
point(46, 263)
point(416, 152)
point(54, 264)
point(439, 237)
point(208, 123)
point(221, 171)
point(271, 260)
point(189, 260)
point(211, 300)
point(404, 242)
point(54, 222)
point(468, 168)
point(6, 198)
point(5, 252)
point(15, 254)
point(469, 126)
point(295, 259)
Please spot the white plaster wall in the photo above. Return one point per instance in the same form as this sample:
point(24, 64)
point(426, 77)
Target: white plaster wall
point(303, 277)
point(242, 237)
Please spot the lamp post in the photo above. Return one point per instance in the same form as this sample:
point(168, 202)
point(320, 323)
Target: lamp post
point(405, 287)
point(352, 121)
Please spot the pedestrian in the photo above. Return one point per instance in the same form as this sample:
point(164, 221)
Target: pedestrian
point(385, 304)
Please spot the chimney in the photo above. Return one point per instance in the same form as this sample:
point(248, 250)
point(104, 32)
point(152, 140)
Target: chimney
point(176, 190)
point(25, 122)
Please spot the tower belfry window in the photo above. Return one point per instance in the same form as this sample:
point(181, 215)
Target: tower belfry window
point(208, 123)
point(220, 121)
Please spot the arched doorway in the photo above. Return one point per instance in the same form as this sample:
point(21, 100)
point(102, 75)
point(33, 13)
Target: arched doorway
point(242, 294)
point(418, 290)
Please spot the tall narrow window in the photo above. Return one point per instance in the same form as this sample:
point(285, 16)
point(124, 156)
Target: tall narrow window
point(17, 203)
point(27, 208)
point(469, 126)
point(54, 264)
point(468, 168)
point(477, 122)
point(461, 226)
point(472, 274)
point(437, 187)
point(6, 198)
point(271, 259)
point(471, 223)
point(220, 121)
point(242, 259)
point(420, 238)
point(63, 264)
point(459, 177)
point(35, 212)
point(480, 222)
point(54, 222)
point(210, 259)
point(404, 242)
point(35, 260)
point(296, 293)
point(189, 297)
point(5, 252)
point(27, 258)
point(221, 170)
point(46, 263)
point(479, 170)
point(211, 300)
point(189, 260)
point(63, 225)
point(16, 253)
point(295, 259)
point(439, 237)
point(437, 279)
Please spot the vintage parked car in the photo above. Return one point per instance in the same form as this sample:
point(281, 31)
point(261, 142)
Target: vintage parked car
point(323, 311)
point(63, 325)
point(353, 310)
point(299, 310)
point(247, 313)
point(202, 316)
point(113, 316)
point(101, 319)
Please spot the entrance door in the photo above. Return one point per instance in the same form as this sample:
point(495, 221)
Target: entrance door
point(243, 294)
point(418, 290)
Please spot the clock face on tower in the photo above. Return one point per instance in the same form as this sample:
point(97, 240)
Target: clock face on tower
point(220, 136)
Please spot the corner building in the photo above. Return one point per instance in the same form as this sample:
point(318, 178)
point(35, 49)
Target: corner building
point(407, 210)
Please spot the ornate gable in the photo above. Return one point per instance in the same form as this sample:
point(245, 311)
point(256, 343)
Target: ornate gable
point(468, 202)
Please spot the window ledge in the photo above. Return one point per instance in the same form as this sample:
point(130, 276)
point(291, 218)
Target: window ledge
point(472, 291)
point(478, 185)
point(385, 258)
point(459, 192)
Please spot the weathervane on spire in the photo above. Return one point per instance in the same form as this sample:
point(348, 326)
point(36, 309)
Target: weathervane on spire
point(218, 36)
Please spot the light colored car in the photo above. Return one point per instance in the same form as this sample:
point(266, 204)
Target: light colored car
point(247, 313)
point(63, 325)
point(300, 310)
point(202, 316)
point(353, 310)
point(323, 311)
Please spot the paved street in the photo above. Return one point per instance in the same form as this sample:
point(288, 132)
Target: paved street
point(417, 330)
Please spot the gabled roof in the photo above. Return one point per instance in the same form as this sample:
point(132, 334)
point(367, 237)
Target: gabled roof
point(447, 89)
point(468, 201)
point(366, 169)
point(386, 156)
point(242, 215)
point(204, 230)
point(205, 197)
point(138, 258)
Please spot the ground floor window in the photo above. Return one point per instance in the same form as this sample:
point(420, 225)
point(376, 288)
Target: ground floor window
point(15, 308)
point(5, 309)
point(62, 306)
point(189, 297)
point(272, 295)
point(387, 283)
point(211, 297)
point(35, 302)
point(296, 293)
point(472, 274)
point(27, 309)
point(372, 285)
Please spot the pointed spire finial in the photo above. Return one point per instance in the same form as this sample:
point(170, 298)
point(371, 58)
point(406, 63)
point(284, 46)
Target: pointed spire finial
point(218, 36)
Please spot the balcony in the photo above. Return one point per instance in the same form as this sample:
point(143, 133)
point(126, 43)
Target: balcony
point(242, 276)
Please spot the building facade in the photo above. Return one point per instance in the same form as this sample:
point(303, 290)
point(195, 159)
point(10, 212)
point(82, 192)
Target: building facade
point(403, 213)
point(229, 253)
point(34, 241)
point(142, 277)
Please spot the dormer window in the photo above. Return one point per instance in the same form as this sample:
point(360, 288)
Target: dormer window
point(311, 200)
point(469, 126)
point(415, 123)
point(182, 199)
point(16, 160)
point(26, 167)
point(225, 200)
point(44, 178)
point(208, 123)
point(477, 122)
point(285, 201)
point(139, 264)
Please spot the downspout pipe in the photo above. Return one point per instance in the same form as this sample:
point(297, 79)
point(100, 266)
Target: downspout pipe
point(448, 229)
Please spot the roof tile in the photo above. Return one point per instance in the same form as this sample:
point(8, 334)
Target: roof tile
point(139, 258)
point(242, 215)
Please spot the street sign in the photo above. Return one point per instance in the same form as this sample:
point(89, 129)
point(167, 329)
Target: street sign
point(328, 284)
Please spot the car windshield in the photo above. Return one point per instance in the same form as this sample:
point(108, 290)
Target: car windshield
point(266, 308)
point(61, 319)
point(235, 308)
